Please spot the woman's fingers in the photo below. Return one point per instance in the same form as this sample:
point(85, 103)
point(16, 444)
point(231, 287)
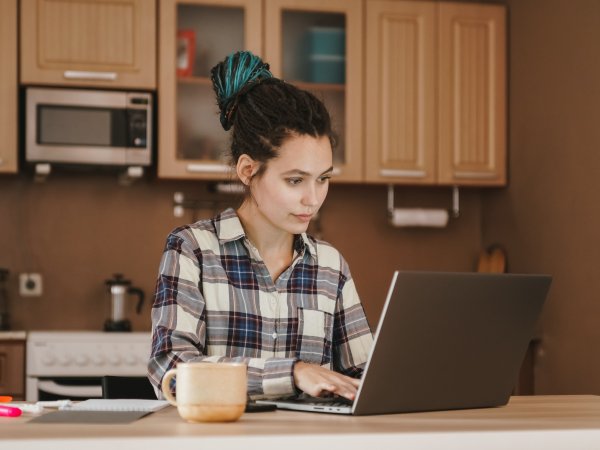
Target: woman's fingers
point(314, 380)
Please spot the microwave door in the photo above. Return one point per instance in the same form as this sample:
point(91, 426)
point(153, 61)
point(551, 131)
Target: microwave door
point(80, 134)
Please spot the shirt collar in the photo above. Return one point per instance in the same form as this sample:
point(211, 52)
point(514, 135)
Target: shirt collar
point(229, 228)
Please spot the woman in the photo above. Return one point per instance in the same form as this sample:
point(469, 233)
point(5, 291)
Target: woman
point(250, 285)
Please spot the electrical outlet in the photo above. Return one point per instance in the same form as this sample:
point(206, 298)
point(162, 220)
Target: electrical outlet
point(30, 285)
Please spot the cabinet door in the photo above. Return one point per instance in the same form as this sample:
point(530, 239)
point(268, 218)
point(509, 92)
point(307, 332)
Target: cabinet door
point(105, 43)
point(400, 94)
point(194, 36)
point(8, 86)
point(472, 94)
point(12, 368)
point(317, 45)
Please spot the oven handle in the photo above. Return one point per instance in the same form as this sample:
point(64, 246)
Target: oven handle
point(52, 387)
point(87, 75)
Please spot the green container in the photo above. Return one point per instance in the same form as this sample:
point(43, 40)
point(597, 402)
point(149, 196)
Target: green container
point(327, 41)
point(327, 69)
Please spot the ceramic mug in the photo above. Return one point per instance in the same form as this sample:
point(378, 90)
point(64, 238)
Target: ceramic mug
point(208, 392)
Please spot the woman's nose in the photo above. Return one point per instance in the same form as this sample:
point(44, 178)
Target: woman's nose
point(310, 197)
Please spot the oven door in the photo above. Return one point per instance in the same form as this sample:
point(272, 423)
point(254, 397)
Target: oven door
point(61, 388)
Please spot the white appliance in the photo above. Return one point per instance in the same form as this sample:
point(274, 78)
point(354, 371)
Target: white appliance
point(71, 364)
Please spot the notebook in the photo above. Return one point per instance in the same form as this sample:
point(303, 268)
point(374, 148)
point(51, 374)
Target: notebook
point(444, 341)
point(123, 405)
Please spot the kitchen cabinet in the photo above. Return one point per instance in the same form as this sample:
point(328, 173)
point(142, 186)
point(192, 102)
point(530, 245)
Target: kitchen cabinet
point(435, 93)
point(89, 43)
point(8, 86)
point(12, 368)
point(192, 143)
point(296, 46)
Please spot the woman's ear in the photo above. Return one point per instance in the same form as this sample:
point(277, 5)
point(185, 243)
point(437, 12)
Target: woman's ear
point(246, 168)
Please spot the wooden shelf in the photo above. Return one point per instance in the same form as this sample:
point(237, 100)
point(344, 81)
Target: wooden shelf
point(300, 84)
point(204, 81)
point(319, 86)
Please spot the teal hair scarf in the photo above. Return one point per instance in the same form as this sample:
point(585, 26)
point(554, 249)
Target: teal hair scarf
point(239, 70)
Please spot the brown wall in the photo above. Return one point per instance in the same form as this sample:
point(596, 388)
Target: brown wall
point(77, 229)
point(549, 218)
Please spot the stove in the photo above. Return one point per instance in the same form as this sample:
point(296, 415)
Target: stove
point(71, 364)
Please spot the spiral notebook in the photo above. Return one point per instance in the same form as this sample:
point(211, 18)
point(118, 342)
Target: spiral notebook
point(125, 404)
point(102, 411)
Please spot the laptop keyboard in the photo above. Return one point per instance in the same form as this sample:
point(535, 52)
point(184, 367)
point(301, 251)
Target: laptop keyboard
point(330, 401)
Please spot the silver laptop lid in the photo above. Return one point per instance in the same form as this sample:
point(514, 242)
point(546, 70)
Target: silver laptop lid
point(450, 341)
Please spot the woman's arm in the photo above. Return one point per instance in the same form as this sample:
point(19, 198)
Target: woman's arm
point(352, 338)
point(351, 344)
point(179, 324)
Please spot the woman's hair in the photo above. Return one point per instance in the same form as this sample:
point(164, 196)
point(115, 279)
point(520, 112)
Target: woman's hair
point(263, 110)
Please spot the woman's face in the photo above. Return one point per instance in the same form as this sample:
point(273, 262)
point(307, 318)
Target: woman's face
point(294, 185)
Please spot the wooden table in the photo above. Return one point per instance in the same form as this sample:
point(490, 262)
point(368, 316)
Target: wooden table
point(544, 422)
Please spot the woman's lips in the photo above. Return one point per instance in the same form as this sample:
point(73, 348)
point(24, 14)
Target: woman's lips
point(303, 217)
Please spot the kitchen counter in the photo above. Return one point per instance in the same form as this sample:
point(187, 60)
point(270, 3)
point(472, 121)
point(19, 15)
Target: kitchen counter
point(13, 335)
point(548, 422)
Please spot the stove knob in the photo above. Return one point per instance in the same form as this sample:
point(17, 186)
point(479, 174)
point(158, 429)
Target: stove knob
point(130, 360)
point(114, 360)
point(98, 360)
point(81, 360)
point(48, 359)
point(65, 360)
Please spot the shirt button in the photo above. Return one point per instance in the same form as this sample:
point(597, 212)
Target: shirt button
point(274, 335)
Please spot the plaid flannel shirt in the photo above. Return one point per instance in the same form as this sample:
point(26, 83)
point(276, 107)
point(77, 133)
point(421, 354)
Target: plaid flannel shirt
point(215, 301)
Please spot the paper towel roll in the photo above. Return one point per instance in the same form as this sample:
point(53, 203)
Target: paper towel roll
point(419, 217)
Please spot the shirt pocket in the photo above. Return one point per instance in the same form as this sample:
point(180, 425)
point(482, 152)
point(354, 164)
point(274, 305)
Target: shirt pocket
point(315, 330)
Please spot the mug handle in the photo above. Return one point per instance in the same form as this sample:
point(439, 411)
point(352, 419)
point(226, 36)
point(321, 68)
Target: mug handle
point(166, 388)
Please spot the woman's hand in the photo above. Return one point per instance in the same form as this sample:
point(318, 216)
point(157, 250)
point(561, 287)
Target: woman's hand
point(314, 380)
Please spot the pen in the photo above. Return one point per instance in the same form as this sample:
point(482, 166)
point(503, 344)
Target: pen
point(28, 408)
point(9, 411)
point(55, 403)
point(5, 398)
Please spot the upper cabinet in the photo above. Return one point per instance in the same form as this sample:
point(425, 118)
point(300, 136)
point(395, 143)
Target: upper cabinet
point(194, 36)
point(318, 46)
point(313, 44)
point(95, 43)
point(8, 86)
point(436, 93)
point(472, 94)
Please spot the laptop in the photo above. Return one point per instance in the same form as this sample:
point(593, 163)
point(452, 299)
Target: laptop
point(444, 341)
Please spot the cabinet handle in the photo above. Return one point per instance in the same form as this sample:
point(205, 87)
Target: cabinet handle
point(482, 175)
point(208, 168)
point(85, 75)
point(402, 173)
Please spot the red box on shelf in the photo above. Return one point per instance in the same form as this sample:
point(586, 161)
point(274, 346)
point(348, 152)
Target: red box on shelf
point(186, 52)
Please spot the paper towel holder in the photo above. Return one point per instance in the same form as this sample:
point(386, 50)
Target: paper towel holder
point(454, 211)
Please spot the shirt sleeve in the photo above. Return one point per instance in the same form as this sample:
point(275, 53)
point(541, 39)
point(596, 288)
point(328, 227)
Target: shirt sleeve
point(179, 325)
point(352, 338)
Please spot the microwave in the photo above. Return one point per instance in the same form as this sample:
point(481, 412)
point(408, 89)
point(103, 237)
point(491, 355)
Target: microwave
point(79, 126)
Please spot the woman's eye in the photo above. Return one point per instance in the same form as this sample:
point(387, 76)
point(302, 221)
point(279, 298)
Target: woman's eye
point(325, 178)
point(294, 181)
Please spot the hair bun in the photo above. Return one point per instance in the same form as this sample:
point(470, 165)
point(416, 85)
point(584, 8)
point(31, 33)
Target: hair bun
point(233, 77)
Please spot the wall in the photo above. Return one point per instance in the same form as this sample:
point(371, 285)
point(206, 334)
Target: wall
point(77, 229)
point(549, 217)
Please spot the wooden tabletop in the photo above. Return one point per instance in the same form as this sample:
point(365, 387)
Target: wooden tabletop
point(526, 422)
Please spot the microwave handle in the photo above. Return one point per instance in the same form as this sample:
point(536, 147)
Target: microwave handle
point(86, 75)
